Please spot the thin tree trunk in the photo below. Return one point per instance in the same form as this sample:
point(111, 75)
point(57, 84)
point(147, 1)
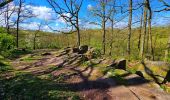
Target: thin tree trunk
point(35, 36)
point(111, 40)
point(78, 30)
point(129, 29)
point(7, 20)
point(104, 38)
point(140, 30)
point(104, 29)
point(143, 35)
point(18, 19)
point(167, 50)
point(149, 30)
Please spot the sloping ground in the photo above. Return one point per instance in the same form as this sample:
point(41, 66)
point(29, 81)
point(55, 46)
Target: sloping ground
point(63, 75)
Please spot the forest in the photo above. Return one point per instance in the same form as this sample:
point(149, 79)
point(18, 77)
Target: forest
point(84, 50)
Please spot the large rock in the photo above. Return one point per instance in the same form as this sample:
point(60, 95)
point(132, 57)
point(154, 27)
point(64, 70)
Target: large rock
point(75, 50)
point(167, 77)
point(121, 64)
point(83, 49)
point(154, 70)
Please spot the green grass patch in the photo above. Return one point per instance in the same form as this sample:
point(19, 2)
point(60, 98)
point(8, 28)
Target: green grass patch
point(28, 87)
point(18, 53)
point(4, 66)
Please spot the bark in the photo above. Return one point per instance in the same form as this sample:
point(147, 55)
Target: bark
point(104, 28)
point(78, 30)
point(111, 40)
point(5, 3)
point(129, 28)
point(17, 22)
point(143, 35)
point(150, 29)
point(140, 30)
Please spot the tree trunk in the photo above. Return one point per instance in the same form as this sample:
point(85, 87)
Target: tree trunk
point(104, 29)
point(111, 40)
point(149, 30)
point(167, 50)
point(78, 30)
point(7, 20)
point(143, 35)
point(129, 28)
point(140, 30)
point(104, 37)
point(17, 37)
point(18, 21)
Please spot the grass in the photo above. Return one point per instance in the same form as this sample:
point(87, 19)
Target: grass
point(5, 66)
point(29, 87)
point(18, 53)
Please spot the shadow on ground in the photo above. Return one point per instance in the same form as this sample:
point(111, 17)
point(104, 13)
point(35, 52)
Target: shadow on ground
point(30, 87)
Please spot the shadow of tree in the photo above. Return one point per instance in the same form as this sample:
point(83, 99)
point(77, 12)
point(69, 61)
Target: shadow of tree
point(29, 87)
point(150, 73)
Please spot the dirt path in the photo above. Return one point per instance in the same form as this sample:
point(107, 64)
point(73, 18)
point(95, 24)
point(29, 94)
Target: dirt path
point(98, 88)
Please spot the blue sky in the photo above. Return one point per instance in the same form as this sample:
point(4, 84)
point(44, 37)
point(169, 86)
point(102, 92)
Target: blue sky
point(45, 14)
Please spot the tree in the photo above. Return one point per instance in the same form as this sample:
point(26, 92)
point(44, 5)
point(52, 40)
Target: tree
point(18, 21)
point(143, 35)
point(102, 13)
point(69, 11)
point(23, 13)
point(129, 28)
point(9, 11)
point(149, 28)
point(4, 2)
point(112, 20)
point(36, 35)
point(166, 6)
point(140, 29)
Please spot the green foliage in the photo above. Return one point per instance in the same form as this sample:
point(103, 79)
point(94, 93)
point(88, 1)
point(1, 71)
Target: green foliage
point(17, 53)
point(4, 67)
point(6, 44)
point(28, 87)
point(97, 53)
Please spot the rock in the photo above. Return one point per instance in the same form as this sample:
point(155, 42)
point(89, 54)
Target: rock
point(67, 50)
point(167, 77)
point(139, 73)
point(112, 64)
point(90, 54)
point(46, 54)
point(75, 50)
point(96, 61)
point(121, 64)
point(83, 49)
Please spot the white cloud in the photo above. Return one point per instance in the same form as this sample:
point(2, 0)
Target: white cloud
point(30, 26)
point(61, 19)
point(89, 7)
point(41, 12)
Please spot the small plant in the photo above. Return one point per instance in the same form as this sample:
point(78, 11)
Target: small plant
point(7, 44)
point(97, 53)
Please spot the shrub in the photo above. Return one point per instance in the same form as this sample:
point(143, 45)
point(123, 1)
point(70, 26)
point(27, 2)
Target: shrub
point(7, 44)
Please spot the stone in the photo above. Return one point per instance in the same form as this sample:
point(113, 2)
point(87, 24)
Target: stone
point(139, 73)
point(75, 50)
point(167, 77)
point(46, 54)
point(121, 64)
point(83, 49)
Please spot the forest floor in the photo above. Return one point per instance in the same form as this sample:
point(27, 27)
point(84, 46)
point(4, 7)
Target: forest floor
point(51, 74)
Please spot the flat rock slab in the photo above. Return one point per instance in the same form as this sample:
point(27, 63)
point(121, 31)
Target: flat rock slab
point(143, 90)
point(121, 93)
